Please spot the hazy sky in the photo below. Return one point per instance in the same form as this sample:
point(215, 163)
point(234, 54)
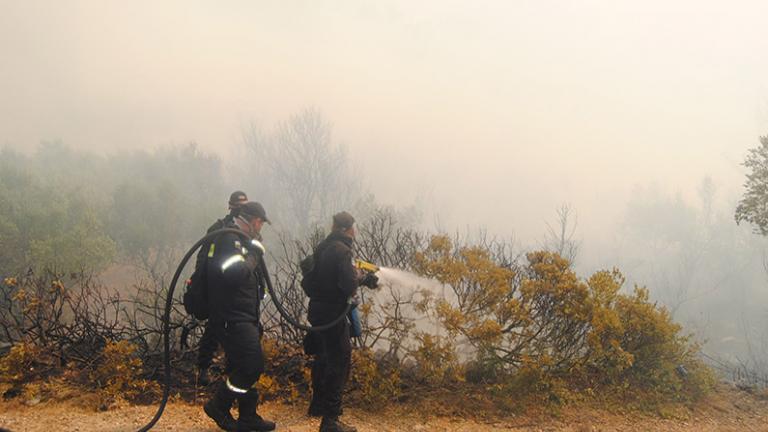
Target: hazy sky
point(493, 112)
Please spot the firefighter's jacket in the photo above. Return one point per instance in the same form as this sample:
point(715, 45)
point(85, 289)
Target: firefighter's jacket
point(338, 279)
point(235, 281)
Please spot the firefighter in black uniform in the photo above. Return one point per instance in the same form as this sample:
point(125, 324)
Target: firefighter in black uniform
point(208, 343)
point(338, 281)
point(236, 288)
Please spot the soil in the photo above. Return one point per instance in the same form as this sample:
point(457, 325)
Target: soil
point(728, 409)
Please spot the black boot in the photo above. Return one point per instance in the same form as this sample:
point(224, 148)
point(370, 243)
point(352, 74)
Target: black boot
point(202, 377)
point(218, 408)
point(248, 420)
point(333, 424)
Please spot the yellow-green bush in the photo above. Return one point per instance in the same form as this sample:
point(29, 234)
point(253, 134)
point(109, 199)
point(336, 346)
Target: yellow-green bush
point(541, 328)
point(19, 364)
point(435, 358)
point(658, 349)
point(373, 384)
point(118, 374)
point(287, 374)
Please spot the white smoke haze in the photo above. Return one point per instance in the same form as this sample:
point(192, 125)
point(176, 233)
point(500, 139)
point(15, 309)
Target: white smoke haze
point(491, 115)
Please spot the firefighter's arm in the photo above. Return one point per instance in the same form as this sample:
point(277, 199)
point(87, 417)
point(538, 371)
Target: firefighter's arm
point(348, 276)
point(233, 264)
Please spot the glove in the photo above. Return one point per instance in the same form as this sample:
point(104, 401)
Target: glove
point(370, 280)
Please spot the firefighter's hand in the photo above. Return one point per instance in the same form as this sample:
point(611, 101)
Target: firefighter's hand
point(370, 280)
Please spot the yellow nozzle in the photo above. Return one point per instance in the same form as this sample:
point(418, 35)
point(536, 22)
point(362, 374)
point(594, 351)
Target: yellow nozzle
point(363, 265)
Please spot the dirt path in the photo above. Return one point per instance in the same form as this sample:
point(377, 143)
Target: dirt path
point(730, 411)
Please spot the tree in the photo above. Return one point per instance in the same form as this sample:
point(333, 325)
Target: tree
point(301, 173)
point(161, 203)
point(560, 238)
point(47, 225)
point(753, 206)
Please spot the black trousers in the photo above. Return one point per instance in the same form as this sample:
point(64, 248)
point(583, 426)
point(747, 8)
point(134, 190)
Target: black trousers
point(245, 360)
point(331, 368)
point(207, 347)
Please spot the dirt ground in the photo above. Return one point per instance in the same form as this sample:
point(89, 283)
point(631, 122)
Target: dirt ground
point(726, 410)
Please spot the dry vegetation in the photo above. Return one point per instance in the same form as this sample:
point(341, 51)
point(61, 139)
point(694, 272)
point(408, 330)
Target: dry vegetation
point(532, 334)
point(726, 409)
point(511, 334)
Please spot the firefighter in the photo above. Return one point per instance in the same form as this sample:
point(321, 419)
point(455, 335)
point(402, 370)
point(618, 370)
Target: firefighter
point(338, 280)
point(236, 289)
point(208, 343)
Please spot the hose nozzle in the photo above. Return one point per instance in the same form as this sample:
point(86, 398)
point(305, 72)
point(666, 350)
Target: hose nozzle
point(366, 266)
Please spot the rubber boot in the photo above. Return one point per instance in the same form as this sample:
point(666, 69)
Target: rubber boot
point(333, 424)
point(248, 420)
point(218, 408)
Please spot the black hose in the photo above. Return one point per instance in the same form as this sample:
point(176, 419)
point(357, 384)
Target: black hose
point(169, 305)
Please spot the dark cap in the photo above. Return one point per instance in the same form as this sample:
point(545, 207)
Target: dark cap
point(237, 198)
point(252, 209)
point(343, 220)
